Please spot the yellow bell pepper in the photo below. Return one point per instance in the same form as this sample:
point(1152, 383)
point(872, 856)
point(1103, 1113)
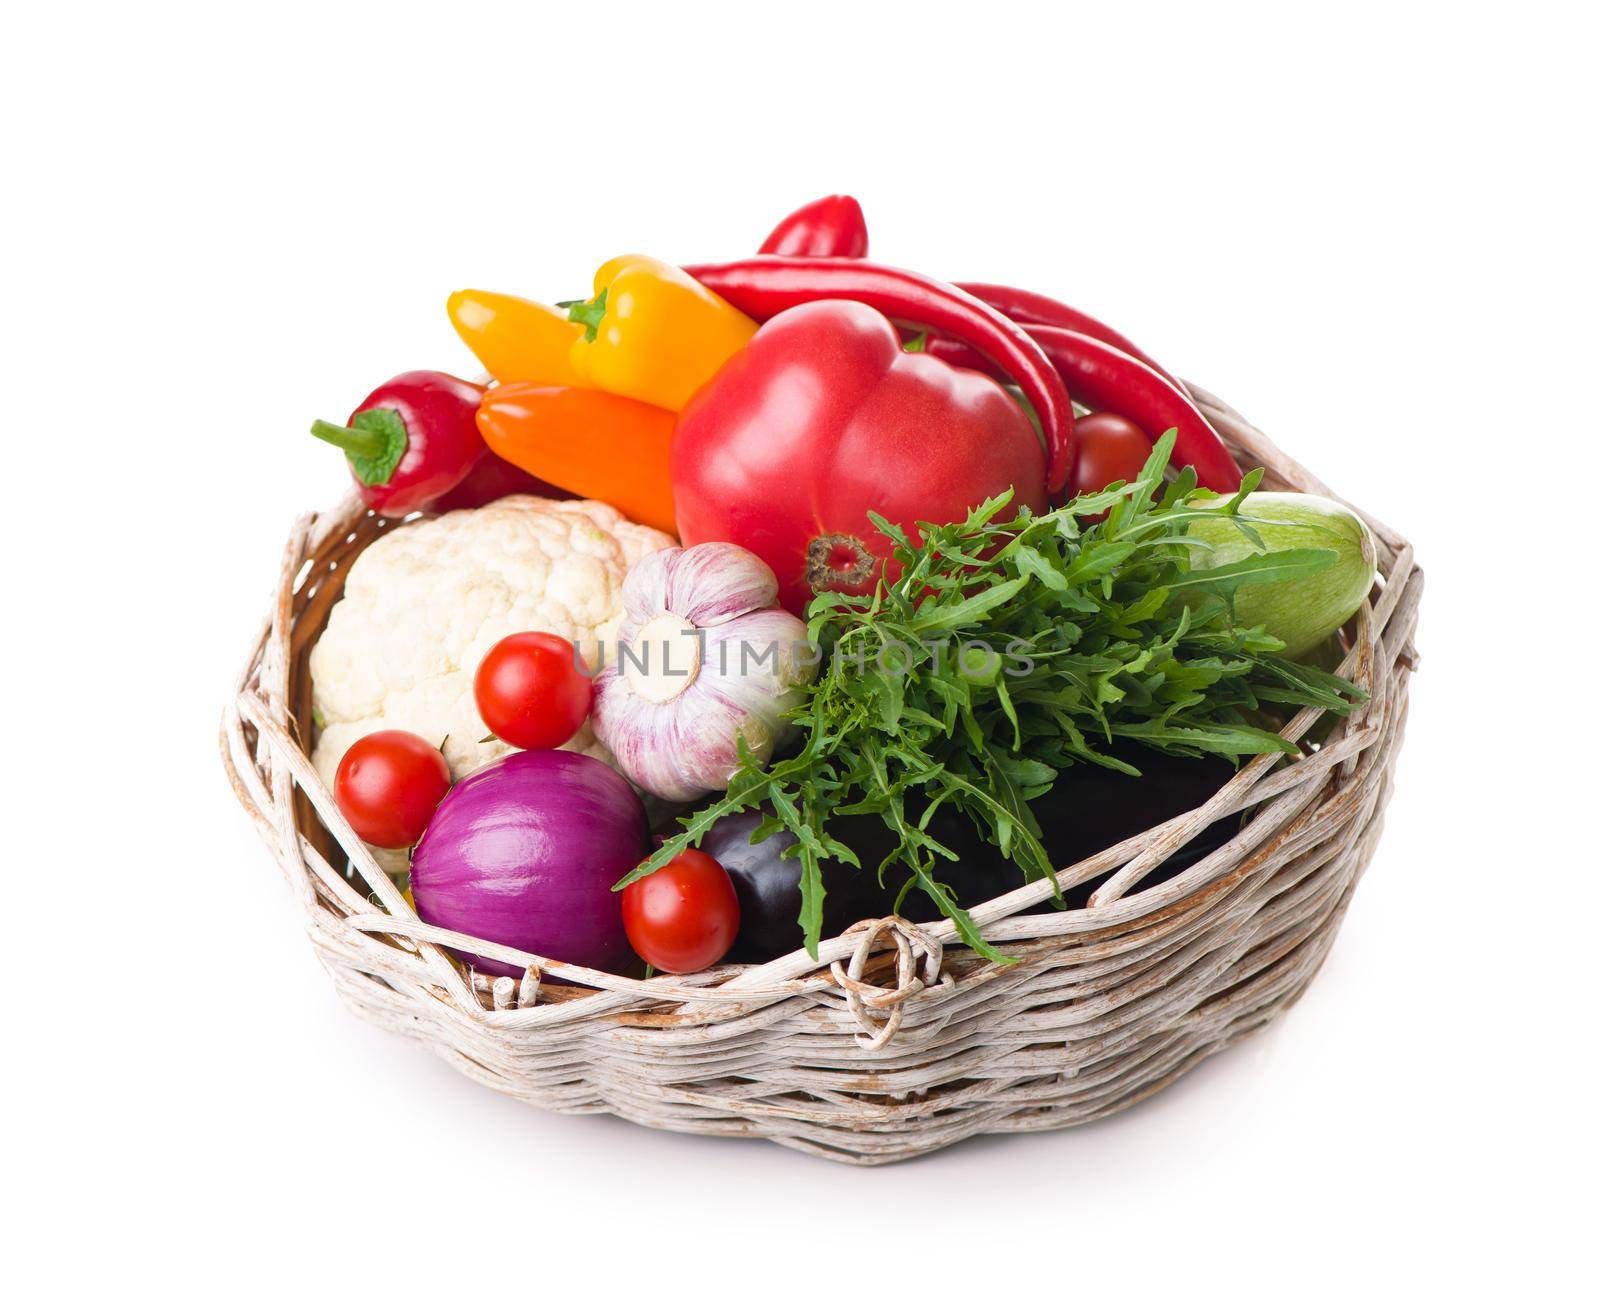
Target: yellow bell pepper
point(516, 339)
point(654, 333)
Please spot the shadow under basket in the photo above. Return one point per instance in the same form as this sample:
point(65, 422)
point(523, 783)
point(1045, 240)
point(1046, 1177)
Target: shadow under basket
point(900, 1041)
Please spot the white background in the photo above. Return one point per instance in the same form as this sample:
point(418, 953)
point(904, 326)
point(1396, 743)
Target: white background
point(1370, 228)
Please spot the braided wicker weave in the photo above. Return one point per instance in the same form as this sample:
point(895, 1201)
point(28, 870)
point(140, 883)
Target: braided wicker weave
point(898, 1043)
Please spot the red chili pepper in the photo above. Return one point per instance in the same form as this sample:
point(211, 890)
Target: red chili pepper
point(832, 227)
point(1104, 377)
point(1031, 309)
point(765, 286)
point(410, 441)
point(822, 419)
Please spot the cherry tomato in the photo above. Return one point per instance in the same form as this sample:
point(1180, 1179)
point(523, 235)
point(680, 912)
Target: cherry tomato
point(683, 917)
point(1110, 448)
point(532, 690)
point(388, 784)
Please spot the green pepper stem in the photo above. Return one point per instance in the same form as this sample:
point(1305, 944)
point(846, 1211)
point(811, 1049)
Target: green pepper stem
point(589, 314)
point(353, 440)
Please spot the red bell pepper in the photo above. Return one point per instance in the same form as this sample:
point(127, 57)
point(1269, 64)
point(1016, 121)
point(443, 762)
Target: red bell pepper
point(411, 441)
point(822, 418)
point(832, 227)
point(766, 285)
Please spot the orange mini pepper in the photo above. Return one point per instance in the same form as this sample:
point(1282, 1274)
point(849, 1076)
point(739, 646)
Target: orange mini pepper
point(654, 333)
point(595, 444)
point(516, 339)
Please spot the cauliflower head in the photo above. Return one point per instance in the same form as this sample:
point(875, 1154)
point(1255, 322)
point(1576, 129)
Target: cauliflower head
point(423, 604)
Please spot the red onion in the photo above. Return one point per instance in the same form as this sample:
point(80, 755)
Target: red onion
point(524, 853)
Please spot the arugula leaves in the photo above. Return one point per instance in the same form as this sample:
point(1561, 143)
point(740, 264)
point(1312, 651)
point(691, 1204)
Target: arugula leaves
point(1009, 648)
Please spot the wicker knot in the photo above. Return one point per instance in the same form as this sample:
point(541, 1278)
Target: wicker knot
point(865, 999)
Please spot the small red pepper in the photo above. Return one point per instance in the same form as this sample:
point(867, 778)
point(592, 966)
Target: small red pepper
point(411, 441)
point(822, 419)
point(832, 227)
point(491, 478)
point(767, 285)
point(1103, 377)
point(1032, 309)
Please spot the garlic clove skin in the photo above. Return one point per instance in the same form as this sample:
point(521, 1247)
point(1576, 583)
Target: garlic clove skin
point(644, 591)
point(713, 583)
point(661, 749)
point(760, 659)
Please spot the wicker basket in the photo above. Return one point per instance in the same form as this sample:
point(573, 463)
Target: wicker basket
point(898, 1043)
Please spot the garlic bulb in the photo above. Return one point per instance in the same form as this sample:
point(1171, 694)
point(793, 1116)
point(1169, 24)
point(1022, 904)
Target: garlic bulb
point(703, 657)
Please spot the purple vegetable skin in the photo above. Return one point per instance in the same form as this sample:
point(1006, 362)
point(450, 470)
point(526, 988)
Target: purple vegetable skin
point(524, 853)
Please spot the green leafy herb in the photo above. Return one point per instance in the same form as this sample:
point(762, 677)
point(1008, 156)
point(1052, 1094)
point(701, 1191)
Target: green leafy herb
point(1010, 647)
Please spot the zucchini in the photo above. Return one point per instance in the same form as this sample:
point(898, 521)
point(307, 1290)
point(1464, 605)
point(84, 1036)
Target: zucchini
point(1305, 610)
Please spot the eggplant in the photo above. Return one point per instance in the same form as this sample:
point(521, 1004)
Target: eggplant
point(1100, 807)
point(768, 884)
point(1090, 808)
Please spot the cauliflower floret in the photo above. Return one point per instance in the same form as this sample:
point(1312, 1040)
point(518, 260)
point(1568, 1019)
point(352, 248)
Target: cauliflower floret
point(423, 604)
